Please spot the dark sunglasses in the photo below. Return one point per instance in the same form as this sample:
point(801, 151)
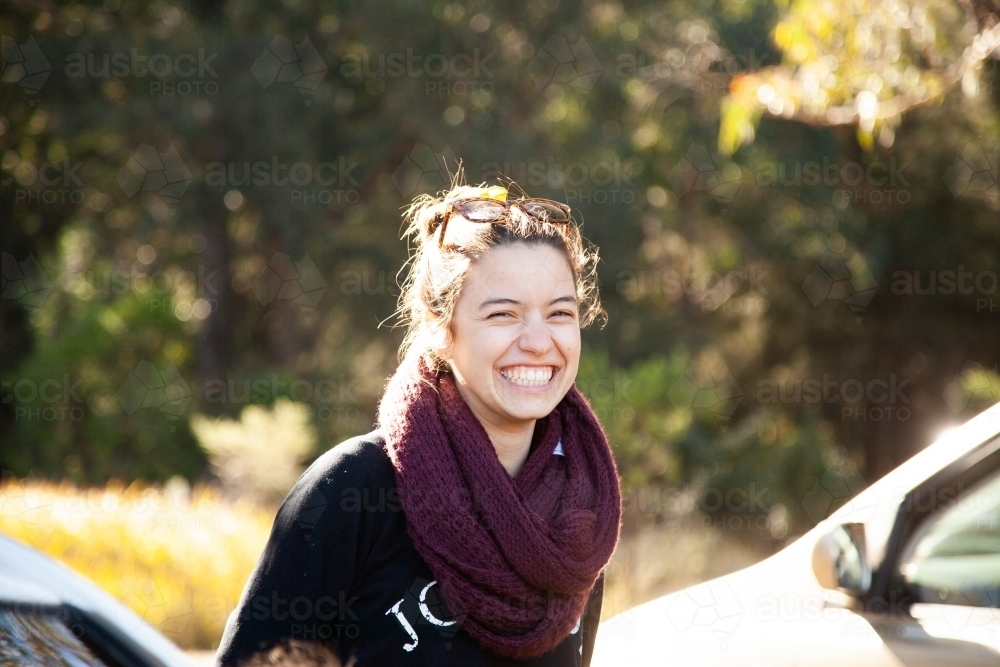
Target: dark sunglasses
point(482, 209)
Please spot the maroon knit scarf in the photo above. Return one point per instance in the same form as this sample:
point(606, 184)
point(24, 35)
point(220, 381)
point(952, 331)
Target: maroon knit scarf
point(517, 558)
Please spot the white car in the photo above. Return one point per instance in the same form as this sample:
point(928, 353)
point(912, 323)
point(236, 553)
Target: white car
point(907, 573)
point(50, 615)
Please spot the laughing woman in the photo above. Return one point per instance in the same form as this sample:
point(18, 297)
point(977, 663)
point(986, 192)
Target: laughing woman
point(473, 526)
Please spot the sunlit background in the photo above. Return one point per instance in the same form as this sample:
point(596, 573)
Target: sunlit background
point(796, 206)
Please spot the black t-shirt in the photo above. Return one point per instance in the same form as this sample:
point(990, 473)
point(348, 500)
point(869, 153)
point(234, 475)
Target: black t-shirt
point(339, 566)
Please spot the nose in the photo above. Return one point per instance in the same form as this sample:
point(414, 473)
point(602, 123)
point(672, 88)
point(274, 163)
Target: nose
point(536, 337)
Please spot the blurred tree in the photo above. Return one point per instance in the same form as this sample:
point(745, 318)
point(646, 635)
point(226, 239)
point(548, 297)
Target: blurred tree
point(855, 62)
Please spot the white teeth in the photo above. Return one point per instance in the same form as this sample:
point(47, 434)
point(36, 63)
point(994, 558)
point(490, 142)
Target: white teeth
point(528, 376)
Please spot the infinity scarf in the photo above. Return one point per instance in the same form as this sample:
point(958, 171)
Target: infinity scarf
point(516, 558)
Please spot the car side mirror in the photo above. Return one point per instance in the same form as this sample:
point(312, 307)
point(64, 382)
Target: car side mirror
point(840, 560)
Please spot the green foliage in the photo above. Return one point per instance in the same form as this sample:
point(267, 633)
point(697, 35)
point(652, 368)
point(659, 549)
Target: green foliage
point(642, 424)
point(65, 398)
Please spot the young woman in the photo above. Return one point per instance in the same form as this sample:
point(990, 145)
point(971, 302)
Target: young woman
point(473, 526)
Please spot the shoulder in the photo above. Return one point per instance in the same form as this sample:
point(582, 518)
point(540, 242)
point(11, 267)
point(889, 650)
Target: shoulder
point(363, 458)
point(323, 502)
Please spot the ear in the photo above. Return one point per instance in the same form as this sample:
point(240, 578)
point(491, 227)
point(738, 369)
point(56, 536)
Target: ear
point(443, 350)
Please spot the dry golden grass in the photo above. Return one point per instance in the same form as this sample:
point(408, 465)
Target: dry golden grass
point(178, 558)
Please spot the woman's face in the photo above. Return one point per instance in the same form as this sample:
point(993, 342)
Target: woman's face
point(515, 335)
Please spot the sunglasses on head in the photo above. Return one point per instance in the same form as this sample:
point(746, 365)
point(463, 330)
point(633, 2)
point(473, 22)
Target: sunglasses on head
point(483, 209)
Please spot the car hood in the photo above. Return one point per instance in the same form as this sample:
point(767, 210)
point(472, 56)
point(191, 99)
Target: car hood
point(726, 622)
point(42, 580)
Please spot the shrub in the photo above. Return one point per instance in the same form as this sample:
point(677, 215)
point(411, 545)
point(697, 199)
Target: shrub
point(259, 455)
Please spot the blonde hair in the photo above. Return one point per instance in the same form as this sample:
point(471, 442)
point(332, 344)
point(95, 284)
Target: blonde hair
point(436, 274)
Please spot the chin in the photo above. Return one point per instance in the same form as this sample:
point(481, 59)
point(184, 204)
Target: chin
point(527, 412)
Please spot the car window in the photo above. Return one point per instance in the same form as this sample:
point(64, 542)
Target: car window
point(41, 640)
point(955, 557)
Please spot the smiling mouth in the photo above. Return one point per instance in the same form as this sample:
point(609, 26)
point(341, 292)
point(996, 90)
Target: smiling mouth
point(529, 376)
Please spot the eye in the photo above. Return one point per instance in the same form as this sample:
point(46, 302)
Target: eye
point(568, 313)
point(497, 314)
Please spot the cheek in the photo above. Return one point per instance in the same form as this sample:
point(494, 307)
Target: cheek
point(569, 343)
point(484, 346)
point(569, 340)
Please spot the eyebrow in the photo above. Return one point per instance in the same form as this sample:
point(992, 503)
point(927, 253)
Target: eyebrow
point(515, 302)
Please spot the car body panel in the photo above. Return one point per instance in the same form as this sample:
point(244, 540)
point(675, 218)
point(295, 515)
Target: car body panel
point(776, 614)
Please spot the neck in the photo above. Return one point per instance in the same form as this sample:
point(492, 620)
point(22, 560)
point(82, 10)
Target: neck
point(512, 446)
point(511, 441)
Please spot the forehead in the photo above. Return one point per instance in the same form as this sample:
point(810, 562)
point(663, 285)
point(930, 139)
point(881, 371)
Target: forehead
point(521, 270)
